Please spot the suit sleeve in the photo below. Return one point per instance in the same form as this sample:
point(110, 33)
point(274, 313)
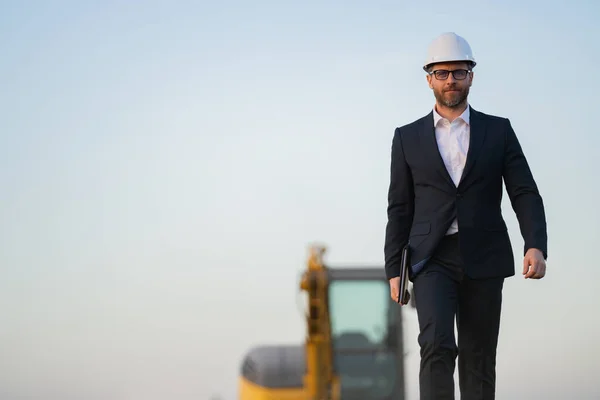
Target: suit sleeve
point(524, 195)
point(400, 207)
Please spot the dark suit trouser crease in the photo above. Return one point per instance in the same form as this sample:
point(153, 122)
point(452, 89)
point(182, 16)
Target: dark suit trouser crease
point(442, 292)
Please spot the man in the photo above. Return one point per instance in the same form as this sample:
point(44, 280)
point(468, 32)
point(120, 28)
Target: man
point(444, 200)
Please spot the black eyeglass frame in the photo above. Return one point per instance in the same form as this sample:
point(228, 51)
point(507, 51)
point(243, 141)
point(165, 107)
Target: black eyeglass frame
point(443, 74)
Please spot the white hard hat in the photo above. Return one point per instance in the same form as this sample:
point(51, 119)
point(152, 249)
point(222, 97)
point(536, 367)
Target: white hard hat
point(448, 47)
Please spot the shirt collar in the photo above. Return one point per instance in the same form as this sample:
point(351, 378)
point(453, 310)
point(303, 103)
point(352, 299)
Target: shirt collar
point(464, 116)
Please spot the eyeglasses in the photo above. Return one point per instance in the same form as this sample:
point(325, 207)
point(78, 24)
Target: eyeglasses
point(442, 74)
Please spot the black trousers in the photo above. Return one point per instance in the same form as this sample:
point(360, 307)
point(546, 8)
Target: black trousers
point(443, 293)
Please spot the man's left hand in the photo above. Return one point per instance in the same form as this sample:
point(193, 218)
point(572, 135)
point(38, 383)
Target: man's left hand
point(534, 265)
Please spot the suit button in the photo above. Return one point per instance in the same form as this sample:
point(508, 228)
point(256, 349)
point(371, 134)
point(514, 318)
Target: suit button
point(459, 195)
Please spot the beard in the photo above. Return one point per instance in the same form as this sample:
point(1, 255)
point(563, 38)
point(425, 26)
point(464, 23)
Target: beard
point(451, 99)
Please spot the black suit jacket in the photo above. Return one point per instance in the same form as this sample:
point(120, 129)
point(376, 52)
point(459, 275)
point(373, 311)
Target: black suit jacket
point(423, 200)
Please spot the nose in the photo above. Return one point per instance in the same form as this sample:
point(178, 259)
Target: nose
point(451, 82)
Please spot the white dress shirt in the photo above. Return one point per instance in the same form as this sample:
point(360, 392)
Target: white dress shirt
point(453, 144)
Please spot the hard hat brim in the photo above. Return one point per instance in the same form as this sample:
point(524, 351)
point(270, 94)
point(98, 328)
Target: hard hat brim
point(466, 60)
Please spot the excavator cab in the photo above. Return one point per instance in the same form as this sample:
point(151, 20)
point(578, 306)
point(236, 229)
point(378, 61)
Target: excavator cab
point(354, 347)
point(366, 328)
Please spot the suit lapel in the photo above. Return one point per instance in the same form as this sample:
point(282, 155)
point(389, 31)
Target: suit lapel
point(432, 150)
point(476, 138)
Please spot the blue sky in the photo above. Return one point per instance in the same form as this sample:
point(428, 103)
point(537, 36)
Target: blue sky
point(165, 166)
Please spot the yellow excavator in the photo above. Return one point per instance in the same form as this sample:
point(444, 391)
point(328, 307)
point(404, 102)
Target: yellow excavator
point(354, 342)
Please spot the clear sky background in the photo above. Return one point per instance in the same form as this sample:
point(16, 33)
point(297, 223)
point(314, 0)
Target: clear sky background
point(163, 166)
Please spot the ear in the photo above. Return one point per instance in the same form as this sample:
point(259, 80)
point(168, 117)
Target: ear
point(429, 81)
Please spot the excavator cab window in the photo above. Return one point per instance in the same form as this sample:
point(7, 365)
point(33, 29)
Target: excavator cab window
point(362, 320)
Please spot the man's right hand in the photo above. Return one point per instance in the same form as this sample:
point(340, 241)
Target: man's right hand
point(395, 288)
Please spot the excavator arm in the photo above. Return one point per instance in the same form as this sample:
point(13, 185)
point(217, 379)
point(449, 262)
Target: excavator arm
point(320, 379)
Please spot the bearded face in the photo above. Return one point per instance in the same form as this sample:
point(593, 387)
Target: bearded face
point(450, 83)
